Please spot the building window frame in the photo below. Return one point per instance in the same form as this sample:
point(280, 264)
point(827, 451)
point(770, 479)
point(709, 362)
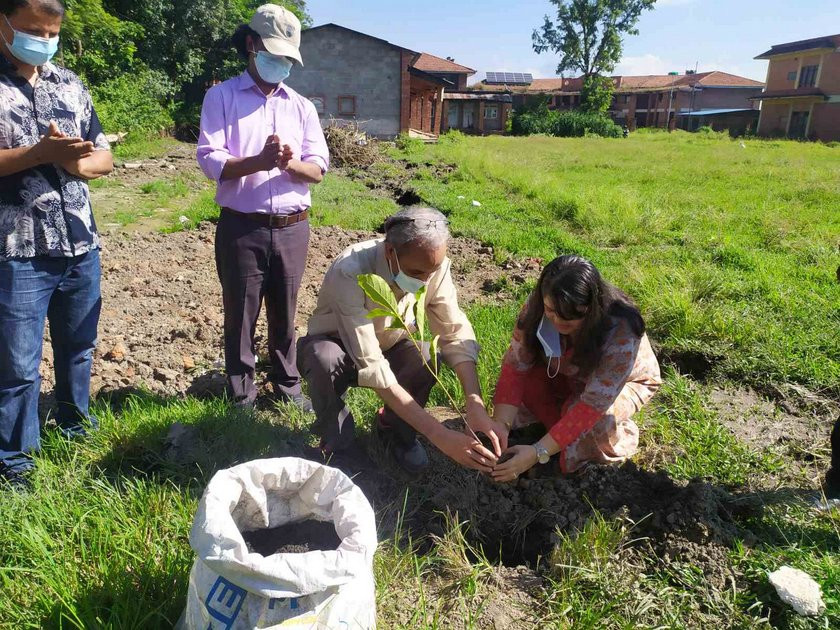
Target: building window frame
point(320, 102)
point(808, 76)
point(343, 101)
point(791, 76)
point(491, 112)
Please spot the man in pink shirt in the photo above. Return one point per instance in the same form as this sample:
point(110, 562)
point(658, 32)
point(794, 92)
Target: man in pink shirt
point(263, 143)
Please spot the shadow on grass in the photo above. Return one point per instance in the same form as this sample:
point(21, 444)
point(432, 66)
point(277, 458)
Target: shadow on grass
point(142, 597)
point(185, 441)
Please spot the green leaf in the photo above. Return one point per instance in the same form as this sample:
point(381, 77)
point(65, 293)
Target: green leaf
point(378, 291)
point(379, 312)
point(420, 312)
point(433, 350)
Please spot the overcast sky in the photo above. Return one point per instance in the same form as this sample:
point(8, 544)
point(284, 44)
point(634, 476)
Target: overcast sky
point(495, 35)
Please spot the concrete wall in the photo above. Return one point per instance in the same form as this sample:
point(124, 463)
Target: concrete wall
point(342, 63)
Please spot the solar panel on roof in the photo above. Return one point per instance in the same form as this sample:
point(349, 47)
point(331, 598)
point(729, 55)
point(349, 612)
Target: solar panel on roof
point(510, 78)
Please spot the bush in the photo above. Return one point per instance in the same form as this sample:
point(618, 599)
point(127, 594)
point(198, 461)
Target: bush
point(408, 144)
point(137, 102)
point(571, 124)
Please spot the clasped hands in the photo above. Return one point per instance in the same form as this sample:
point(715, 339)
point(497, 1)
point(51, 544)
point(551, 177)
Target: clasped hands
point(274, 155)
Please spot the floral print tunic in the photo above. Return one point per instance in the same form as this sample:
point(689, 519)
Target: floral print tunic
point(627, 367)
point(45, 211)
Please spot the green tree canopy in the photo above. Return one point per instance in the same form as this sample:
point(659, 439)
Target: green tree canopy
point(587, 35)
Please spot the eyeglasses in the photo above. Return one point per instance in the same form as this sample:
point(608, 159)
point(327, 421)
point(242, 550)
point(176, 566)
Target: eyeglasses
point(423, 224)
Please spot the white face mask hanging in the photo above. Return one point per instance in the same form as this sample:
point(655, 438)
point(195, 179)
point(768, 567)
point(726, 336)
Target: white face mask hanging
point(549, 337)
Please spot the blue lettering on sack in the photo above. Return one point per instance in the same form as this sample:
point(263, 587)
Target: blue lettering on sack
point(224, 602)
point(293, 602)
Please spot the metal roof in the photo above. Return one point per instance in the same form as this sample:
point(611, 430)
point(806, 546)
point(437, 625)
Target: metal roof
point(716, 112)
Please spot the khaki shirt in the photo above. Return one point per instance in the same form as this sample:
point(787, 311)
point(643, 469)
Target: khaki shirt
point(343, 307)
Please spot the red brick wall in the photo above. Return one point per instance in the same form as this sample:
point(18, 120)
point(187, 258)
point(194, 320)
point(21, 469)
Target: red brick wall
point(774, 119)
point(777, 79)
point(830, 77)
point(825, 124)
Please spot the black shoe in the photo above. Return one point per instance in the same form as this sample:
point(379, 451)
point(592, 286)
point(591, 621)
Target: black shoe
point(17, 478)
point(298, 400)
point(412, 457)
point(832, 484)
point(79, 430)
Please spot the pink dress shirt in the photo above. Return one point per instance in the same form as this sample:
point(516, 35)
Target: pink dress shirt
point(236, 120)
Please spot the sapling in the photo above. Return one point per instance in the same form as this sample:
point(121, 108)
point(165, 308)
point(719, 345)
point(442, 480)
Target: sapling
point(380, 293)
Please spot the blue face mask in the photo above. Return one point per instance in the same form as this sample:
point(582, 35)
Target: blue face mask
point(31, 50)
point(272, 70)
point(549, 338)
point(405, 282)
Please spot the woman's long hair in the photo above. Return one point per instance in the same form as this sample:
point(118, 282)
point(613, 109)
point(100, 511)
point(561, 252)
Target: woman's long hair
point(574, 284)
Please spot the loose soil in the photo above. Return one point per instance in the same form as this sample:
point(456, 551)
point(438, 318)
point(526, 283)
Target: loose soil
point(299, 537)
point(162, 323)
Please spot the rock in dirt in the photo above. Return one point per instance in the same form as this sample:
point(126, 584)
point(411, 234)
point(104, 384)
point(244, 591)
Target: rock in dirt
point(165, 376)
point(798, 589)
point(299, 537)
point(117, 352)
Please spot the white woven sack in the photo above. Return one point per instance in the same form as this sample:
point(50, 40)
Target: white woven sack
point(233, 589)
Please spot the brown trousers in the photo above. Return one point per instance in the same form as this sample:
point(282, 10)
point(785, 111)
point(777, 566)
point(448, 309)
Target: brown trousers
point(257, 263)
point(330, 372)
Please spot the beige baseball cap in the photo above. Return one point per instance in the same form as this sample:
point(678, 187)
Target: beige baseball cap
point(279, 29)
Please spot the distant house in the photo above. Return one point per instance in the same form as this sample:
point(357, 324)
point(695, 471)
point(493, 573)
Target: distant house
point(802, 99)
point(387, 89)
point(686, 101)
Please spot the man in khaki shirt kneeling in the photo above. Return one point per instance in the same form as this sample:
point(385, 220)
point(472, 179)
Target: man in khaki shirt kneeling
point(345, 348)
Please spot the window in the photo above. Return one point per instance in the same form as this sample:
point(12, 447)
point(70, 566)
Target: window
point(491, 112)
point(320, 103)
point(808, 76)
point(346, 105)
point(792, 75)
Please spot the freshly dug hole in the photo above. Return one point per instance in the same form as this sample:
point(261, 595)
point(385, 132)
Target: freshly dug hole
point(299, 537)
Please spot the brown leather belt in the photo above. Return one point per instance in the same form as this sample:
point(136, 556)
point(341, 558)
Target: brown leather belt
point(272, 220)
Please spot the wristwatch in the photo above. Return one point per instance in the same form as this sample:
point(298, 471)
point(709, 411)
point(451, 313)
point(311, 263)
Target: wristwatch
point(542, 453)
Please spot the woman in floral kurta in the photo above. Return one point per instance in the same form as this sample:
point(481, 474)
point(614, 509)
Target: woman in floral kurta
point(581, 364)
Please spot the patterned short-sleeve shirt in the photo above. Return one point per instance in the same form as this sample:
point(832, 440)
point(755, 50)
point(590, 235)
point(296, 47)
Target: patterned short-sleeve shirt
point(45, 211)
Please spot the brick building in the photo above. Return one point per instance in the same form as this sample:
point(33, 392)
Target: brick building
point(672, 100)
point(802, 99)
point(387, 89)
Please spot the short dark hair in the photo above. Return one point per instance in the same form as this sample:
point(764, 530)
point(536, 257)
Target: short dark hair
point(239, 39)
point(51, 7)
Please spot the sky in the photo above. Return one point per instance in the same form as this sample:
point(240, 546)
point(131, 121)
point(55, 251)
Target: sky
point(495, 35)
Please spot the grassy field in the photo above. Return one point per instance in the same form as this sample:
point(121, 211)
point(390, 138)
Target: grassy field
point(731, 250)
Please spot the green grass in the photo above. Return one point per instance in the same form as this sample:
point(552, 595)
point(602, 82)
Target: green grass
point(731, 253)
point(142, 147)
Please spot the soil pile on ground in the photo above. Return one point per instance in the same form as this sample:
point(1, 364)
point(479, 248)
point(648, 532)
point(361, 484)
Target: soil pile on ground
point(521, 518)
point(299, 537)
point(162, 321)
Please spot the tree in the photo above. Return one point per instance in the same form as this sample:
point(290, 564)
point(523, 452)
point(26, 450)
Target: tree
point(587, 34)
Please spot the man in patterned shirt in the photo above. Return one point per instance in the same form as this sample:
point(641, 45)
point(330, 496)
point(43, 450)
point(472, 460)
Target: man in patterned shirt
point(51, 143)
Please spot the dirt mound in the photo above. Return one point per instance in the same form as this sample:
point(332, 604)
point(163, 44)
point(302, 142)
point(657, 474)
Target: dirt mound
point(521, 519)
point(162, 321)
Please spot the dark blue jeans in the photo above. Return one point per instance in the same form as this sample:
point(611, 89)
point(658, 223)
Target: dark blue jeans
point(65, 290)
